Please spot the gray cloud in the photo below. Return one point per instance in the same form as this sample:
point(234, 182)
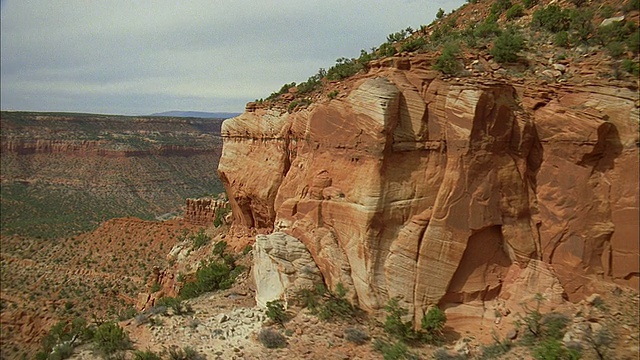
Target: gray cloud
point(136, 57)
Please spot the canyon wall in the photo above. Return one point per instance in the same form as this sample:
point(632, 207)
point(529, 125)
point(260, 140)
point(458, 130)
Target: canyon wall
point(66, 173)
point(446, 191)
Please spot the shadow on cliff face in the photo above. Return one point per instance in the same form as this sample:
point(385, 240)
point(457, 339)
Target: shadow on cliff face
point(483, 265)
point(607, 148)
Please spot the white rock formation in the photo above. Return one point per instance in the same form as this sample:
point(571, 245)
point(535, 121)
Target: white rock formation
point(282, 266)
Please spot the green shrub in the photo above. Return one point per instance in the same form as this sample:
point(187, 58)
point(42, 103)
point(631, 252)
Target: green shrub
point(219, 248)
point(386, 50)
point(145, 355)
point(271, 338)
point(631, 67)
point(313, 82)
point(56, 343)
point(440, 14)
point(551, 18)
point(247, 249)
point(344, 68)
point(499, 6)
point(221, 213)
point(447, 62)
point(395, 37)
point(633, 41)
point(155, 287)
point(615, 49)
point(333, 94)
point(495, 350)
point(617, 31)
point(544, 333)
point(515, 12)
point(552, 325)
point(395, 326)
point(607, 11)
point(356, 336)
point(393, 350)
point(631, 5)
point(413, 44)
point(506, 46)
point(276, 312)
point(433, 323)
point(296, 103)
point(201, 239)
point(110, 338)
point(335, 305)
point(326, 305)
point(310, 298)
point(529, 3)
point(211, 276)
point(284, 89)
point(187, 353)
point(177, 305)
point(561, 39)
point(62, 351)
point(488, 28)
point(552, 349)
point(581, 24)
point(127, 313)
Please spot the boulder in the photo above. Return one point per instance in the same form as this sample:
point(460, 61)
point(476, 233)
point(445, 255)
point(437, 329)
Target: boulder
point(282, 267)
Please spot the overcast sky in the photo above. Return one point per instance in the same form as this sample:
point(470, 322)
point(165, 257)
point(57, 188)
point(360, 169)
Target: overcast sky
point(139, 57)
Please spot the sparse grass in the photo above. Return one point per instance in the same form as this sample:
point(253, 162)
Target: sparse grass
point(186, 353)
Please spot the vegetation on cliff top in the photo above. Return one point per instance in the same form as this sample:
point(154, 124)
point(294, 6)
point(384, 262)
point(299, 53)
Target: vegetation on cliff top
point(510, 32)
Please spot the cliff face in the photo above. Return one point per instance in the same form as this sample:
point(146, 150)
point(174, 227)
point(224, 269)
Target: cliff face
point(446, 191)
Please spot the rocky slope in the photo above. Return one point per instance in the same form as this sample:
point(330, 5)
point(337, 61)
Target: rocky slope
point(64, 173)
point(447, 191)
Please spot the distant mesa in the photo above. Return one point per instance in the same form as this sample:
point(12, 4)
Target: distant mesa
point(197, 114)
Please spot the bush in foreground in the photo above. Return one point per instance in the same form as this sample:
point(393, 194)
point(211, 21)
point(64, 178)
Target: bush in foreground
point(356, 336)
point(506, 46)
point(271, 338)
point(276, 312)
point(111, 338)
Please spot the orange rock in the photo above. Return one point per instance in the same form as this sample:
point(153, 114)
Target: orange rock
point(434, 191)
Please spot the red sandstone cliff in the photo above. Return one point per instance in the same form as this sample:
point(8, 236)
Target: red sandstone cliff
point(446, 191)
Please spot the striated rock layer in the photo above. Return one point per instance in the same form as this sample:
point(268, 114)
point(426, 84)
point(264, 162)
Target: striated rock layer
point(437, 192)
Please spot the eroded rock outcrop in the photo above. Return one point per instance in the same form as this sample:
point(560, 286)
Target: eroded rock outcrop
point(437, 192)
point(203, 211)
point(283, 266)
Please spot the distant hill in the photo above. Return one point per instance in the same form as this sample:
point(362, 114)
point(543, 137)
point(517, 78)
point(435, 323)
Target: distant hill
point(63, 174)
point(197, 114)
